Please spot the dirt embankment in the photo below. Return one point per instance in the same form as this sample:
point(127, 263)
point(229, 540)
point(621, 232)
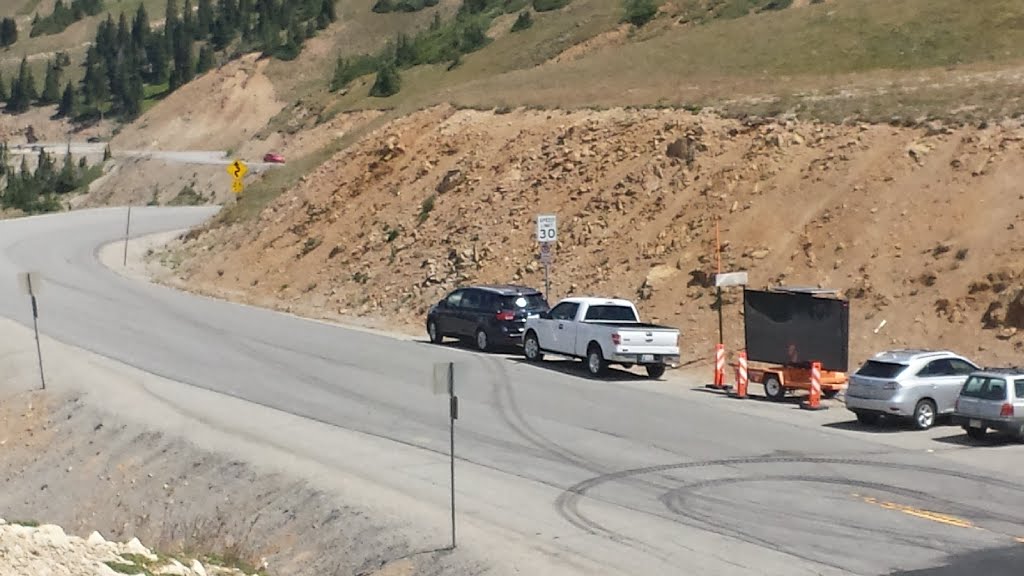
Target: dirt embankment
point(919, 227)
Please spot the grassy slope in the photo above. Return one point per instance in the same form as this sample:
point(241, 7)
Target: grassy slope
point(788, 53)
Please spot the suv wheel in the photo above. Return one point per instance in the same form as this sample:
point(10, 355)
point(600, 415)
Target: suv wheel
point(869, 418)
point(482, 344)
point(924, 415)
point(435, 336)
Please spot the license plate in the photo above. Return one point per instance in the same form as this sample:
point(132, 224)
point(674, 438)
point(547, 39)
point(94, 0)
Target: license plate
point(975, 423)
point(647, 357)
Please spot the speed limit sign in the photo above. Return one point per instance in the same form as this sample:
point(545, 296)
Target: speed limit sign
point(547, 228)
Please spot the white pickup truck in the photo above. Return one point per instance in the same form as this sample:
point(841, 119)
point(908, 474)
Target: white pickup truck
point(603, 331)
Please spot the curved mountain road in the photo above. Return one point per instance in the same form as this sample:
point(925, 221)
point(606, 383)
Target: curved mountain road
point(622, 476)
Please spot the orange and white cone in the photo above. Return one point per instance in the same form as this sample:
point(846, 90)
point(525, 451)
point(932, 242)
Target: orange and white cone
point(719, 365)
point(741, 376)
point(814, 402)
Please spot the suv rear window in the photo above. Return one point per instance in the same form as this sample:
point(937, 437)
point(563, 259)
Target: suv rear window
point(1019, 385)
point(611, 313)
point(876, 369)
point(523, 301)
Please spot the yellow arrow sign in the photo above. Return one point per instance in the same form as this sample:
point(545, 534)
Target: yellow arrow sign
point(237, 169)
point(236, 186)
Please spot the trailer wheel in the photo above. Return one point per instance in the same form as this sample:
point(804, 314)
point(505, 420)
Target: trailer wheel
point(829, 394)
point(773, 388)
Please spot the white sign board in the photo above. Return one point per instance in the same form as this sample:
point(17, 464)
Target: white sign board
point(547, 228)
point(443, 378)
point(731, 279)
point(546, 252)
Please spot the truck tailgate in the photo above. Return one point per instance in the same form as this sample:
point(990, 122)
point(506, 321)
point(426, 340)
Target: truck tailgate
point(649, 341)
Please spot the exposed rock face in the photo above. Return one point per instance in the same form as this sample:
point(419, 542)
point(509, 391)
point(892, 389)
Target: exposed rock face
point(48, 550)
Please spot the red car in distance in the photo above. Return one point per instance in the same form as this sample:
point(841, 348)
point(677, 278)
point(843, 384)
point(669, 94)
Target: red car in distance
point(273, 157)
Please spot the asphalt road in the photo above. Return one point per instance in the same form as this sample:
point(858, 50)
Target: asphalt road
point(631, 476)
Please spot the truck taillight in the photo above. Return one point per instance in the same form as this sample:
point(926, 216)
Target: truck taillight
point(506, 315)
point(1007, 410)
point(616, 338)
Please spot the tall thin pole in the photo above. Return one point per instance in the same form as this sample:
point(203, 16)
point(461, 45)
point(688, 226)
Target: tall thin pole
point(718, 253)
point(35, 327)
point(127, 227)
point(453, 414)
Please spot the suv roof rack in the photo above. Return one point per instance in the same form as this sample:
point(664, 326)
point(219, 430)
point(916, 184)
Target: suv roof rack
point(1003, 369)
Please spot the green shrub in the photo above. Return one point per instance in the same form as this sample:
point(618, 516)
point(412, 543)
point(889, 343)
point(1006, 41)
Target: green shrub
point(345, 71)
point(549, 5)
point(426, 207)
point(523, 22)
point(639, 12)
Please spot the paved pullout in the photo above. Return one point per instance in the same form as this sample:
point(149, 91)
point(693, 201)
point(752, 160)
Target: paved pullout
point(557, 473)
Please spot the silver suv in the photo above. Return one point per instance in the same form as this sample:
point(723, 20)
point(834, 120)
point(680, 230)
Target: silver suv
point(916, 384)
point(992, 398)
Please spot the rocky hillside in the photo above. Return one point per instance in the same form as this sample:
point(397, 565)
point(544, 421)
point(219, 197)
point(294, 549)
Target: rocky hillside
point(919, 227)
point(30, 549)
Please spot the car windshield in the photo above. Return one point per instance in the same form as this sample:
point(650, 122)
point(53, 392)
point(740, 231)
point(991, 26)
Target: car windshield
point(530, 301)
point(611, 313)
point(876, 369)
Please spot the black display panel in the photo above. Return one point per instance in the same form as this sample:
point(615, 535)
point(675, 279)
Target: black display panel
point(796, 329)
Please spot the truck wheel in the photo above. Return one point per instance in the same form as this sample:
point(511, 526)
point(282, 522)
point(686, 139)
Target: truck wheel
point(531, 348)
point(596, 365)
point(773, 388)
point(655, 371)
point(924, 415)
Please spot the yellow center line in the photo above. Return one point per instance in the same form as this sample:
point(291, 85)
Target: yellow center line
point(925, 514)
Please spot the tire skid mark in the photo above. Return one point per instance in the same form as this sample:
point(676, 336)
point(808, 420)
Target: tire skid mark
point(568, 503)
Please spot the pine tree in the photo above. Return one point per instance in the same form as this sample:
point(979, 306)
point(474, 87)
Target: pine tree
point(206, 62)
point(204, 19)
point(140, 28)
point(124, 32)
point(8, 32)
point(95, 89)
point(67, 178)
point(188, 20)
point(23, 90)
point(184, 69)
point(388, 82)
point(328, 14)
point(157, 59)
point(170, 24)
point(68, 107)
point(51, 85)
point(5, 94)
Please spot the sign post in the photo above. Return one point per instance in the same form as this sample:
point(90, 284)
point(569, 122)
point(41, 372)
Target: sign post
point(444, 380)
point(237, 171)
point(127, 228)
point(724, 281)
point(27, 278)
point(547, 235)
